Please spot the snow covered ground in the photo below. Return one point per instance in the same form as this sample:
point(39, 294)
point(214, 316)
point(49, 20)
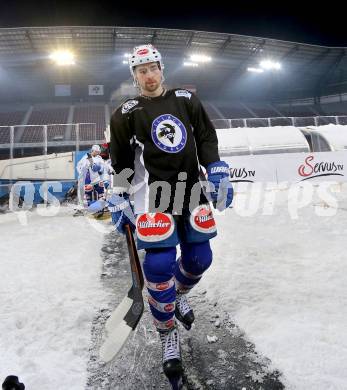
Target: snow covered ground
point(281, 276)
point(49, 292)
point(284, 282)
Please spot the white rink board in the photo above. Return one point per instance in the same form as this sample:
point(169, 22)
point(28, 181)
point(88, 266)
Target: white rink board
point(53, 166)
point(289, 167)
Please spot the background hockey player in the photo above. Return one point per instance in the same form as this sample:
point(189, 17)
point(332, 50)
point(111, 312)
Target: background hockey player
point(164, 136)
point(108, 170)
point(90, 172)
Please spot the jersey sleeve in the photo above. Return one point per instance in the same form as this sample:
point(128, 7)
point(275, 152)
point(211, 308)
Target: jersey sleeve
point(121, 151)
point(100, 163)
point(82, 165)
point(204, 132)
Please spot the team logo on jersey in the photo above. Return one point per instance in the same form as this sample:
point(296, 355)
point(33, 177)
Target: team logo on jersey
point(202, 219)
point(169, 133)
point(153, 227)
point(127, 106)
point(184, 93)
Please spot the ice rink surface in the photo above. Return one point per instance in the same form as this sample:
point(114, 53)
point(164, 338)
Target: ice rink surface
point(279, 271)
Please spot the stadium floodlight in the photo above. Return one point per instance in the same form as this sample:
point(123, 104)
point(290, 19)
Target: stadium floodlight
point(63, 57)
point(127, 55)
point(200, 58)
point(270, 65)
point(191, 64)
point(125, 62)
point(255, 70)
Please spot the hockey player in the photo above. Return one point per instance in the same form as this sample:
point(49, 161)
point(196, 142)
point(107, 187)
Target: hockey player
point(108, 170)
point(163, 137)
point(90, 171)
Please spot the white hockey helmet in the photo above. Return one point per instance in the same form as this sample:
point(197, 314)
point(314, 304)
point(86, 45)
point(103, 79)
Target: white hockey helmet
point(96, 148)
point(144, 54)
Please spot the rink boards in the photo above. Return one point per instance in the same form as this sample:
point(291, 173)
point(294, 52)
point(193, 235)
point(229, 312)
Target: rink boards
point(57, 168)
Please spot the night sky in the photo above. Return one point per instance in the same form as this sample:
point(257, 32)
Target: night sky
point(324, 24)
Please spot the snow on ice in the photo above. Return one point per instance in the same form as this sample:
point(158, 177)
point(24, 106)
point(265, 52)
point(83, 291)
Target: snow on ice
point(49, 292)
point(280, 275)
point(283, 280)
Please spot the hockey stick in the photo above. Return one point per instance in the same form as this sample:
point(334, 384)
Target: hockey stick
point(128, 313)
point(203, 179)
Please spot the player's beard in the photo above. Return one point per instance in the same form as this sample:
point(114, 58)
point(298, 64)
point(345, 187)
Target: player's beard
point(152, 86)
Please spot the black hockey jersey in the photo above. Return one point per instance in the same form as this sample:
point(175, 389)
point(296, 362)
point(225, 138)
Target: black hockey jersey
point(163, 139)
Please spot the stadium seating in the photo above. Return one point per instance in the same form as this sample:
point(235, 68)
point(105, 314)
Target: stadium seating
point(94, 115)
point(46, 116)
point(339, 108)
point(262, 110)
point(291, 111)
point(90, 114)
point(235, 110)
point(9, 119)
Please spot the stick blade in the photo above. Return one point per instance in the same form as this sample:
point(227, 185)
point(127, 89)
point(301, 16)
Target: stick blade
point(128, 313)
point(114, 342)
point(118, 315)
point(121, 322)
point(96, 206)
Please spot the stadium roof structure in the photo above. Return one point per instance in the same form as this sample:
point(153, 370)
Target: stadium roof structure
point(308, 68)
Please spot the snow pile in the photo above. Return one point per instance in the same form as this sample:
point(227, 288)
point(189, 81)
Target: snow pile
point(49, 292)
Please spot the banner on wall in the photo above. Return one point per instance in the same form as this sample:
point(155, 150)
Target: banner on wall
point(293, 168)
point(96, 89)
point(62, 90)
point(251, 169)
point(330, 166)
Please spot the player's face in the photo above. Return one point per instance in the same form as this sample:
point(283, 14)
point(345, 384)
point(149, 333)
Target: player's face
point(149, 77)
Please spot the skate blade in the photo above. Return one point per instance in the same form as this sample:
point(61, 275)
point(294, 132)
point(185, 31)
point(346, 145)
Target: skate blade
point(176, 383)
point(184, 324)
